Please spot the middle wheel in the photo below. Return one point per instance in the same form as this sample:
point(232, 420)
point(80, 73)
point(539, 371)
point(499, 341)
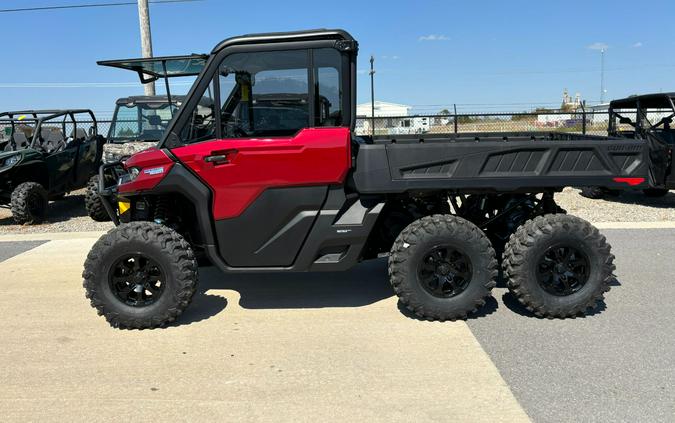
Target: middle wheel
point(442, 267)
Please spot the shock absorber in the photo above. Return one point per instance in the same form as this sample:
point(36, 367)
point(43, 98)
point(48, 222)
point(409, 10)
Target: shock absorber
point(161, 210)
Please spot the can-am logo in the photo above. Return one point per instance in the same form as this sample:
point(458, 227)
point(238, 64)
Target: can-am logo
point(154, 171)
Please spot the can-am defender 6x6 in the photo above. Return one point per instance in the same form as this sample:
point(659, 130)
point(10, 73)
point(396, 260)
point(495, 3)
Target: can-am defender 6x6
point(272, 178)
point(44, 154)
point(138, 123)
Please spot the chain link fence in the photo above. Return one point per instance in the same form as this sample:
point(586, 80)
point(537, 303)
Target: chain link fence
point(593, 122)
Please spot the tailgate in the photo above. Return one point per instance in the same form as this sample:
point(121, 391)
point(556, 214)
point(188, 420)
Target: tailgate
point(523, 165)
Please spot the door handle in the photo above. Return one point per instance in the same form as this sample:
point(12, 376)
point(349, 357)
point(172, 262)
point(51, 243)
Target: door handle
point(220, 157)
point(216, 159)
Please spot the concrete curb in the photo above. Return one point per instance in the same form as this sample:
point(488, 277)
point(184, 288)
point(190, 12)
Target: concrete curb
point(50, 236)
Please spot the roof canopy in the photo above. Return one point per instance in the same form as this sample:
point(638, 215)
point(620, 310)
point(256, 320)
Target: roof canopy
point(647, 101)
point(152, 69)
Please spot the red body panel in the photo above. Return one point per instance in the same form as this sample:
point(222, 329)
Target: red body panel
point(317, 156)
point(154, 164)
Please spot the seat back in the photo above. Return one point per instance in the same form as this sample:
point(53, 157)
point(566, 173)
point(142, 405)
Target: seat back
point(21, 140)
point(52, 140)
point(79, 134)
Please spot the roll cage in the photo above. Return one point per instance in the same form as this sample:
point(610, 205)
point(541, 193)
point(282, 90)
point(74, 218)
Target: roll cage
point(38, 118)
point(661, 104)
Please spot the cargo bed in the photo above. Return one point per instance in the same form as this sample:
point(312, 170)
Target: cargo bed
point(499, 162)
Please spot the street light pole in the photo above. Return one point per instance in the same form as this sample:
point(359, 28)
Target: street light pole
point(372, 94)
point(146, 38)
point(602, 76)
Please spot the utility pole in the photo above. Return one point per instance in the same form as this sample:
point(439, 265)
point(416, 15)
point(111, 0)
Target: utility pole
point(146, 38)
point(372, 93)
point(602, 76)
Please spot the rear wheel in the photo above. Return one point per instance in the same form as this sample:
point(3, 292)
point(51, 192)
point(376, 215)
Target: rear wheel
point(594, 193)
point(442, 267)
point(93, 202)
point(558, 266)
point(140, 275)
point(29, 203)
point(655, 192)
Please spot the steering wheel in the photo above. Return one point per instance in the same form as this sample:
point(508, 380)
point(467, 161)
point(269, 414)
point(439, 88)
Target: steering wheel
point(237, 130)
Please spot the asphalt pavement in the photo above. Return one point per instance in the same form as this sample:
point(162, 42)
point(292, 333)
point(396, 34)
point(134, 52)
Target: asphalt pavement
point(9, 249)
point(617, 364)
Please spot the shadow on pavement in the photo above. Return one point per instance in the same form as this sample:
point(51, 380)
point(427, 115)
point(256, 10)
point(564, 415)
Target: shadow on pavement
point(512, 303)
point(637, 197)
point(366, 284)
point(59, 211)
point(203, 306)
point(488, 308)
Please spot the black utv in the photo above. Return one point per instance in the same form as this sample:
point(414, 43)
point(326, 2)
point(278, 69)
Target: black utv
point(44, 154)
point(646, 117)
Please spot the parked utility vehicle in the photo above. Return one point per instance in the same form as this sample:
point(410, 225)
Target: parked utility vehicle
point(45, 154)
point(648, 117)
point(138, 123)
point(258, 185)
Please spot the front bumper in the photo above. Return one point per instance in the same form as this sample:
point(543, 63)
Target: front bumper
point(108, 192)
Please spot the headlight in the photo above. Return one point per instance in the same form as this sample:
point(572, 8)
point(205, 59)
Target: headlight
point(125, 178)
point(109, 157)
point(133, 173)
point(10, 161)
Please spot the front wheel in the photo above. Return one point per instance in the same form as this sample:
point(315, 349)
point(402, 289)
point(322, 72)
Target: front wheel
point(93, 203)
point(558, 266)
point(29, 203)
point(140, 275)
point(442, 267)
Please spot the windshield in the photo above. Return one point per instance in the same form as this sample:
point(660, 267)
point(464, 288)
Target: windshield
point(140, 122)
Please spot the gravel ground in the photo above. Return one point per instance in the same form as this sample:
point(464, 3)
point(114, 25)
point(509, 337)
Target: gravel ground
point(629, 207)
point(69, 215)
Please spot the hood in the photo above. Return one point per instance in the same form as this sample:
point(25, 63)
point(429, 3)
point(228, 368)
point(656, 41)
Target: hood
point(114, 152)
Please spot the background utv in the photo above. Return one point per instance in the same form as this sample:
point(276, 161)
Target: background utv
point(45, 154)
point(138, 123)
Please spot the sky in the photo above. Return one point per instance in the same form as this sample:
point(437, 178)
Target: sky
point(481, 55)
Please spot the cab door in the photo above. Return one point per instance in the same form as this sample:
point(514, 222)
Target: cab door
point(265, 152)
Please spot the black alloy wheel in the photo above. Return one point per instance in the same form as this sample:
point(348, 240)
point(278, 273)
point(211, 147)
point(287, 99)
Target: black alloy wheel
point(137, 280)
point(562, 270)
point(445, 272)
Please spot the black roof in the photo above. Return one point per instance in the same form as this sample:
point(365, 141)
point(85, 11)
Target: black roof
point(280, 37)
point(149, 99)
point(649, 101)
point(154, 68)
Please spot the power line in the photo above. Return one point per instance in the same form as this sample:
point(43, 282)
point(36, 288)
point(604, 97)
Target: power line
point(90, 5)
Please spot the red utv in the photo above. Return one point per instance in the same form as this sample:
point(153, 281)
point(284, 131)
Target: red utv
point(272, 178)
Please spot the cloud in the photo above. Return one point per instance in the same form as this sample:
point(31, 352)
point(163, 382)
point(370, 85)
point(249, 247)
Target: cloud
point(390, 57)
point(433, 37)
point(637, 45)
point(598, 46)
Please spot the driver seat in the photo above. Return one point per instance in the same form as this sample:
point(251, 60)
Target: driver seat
point(21, 140)
point(52, 140)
